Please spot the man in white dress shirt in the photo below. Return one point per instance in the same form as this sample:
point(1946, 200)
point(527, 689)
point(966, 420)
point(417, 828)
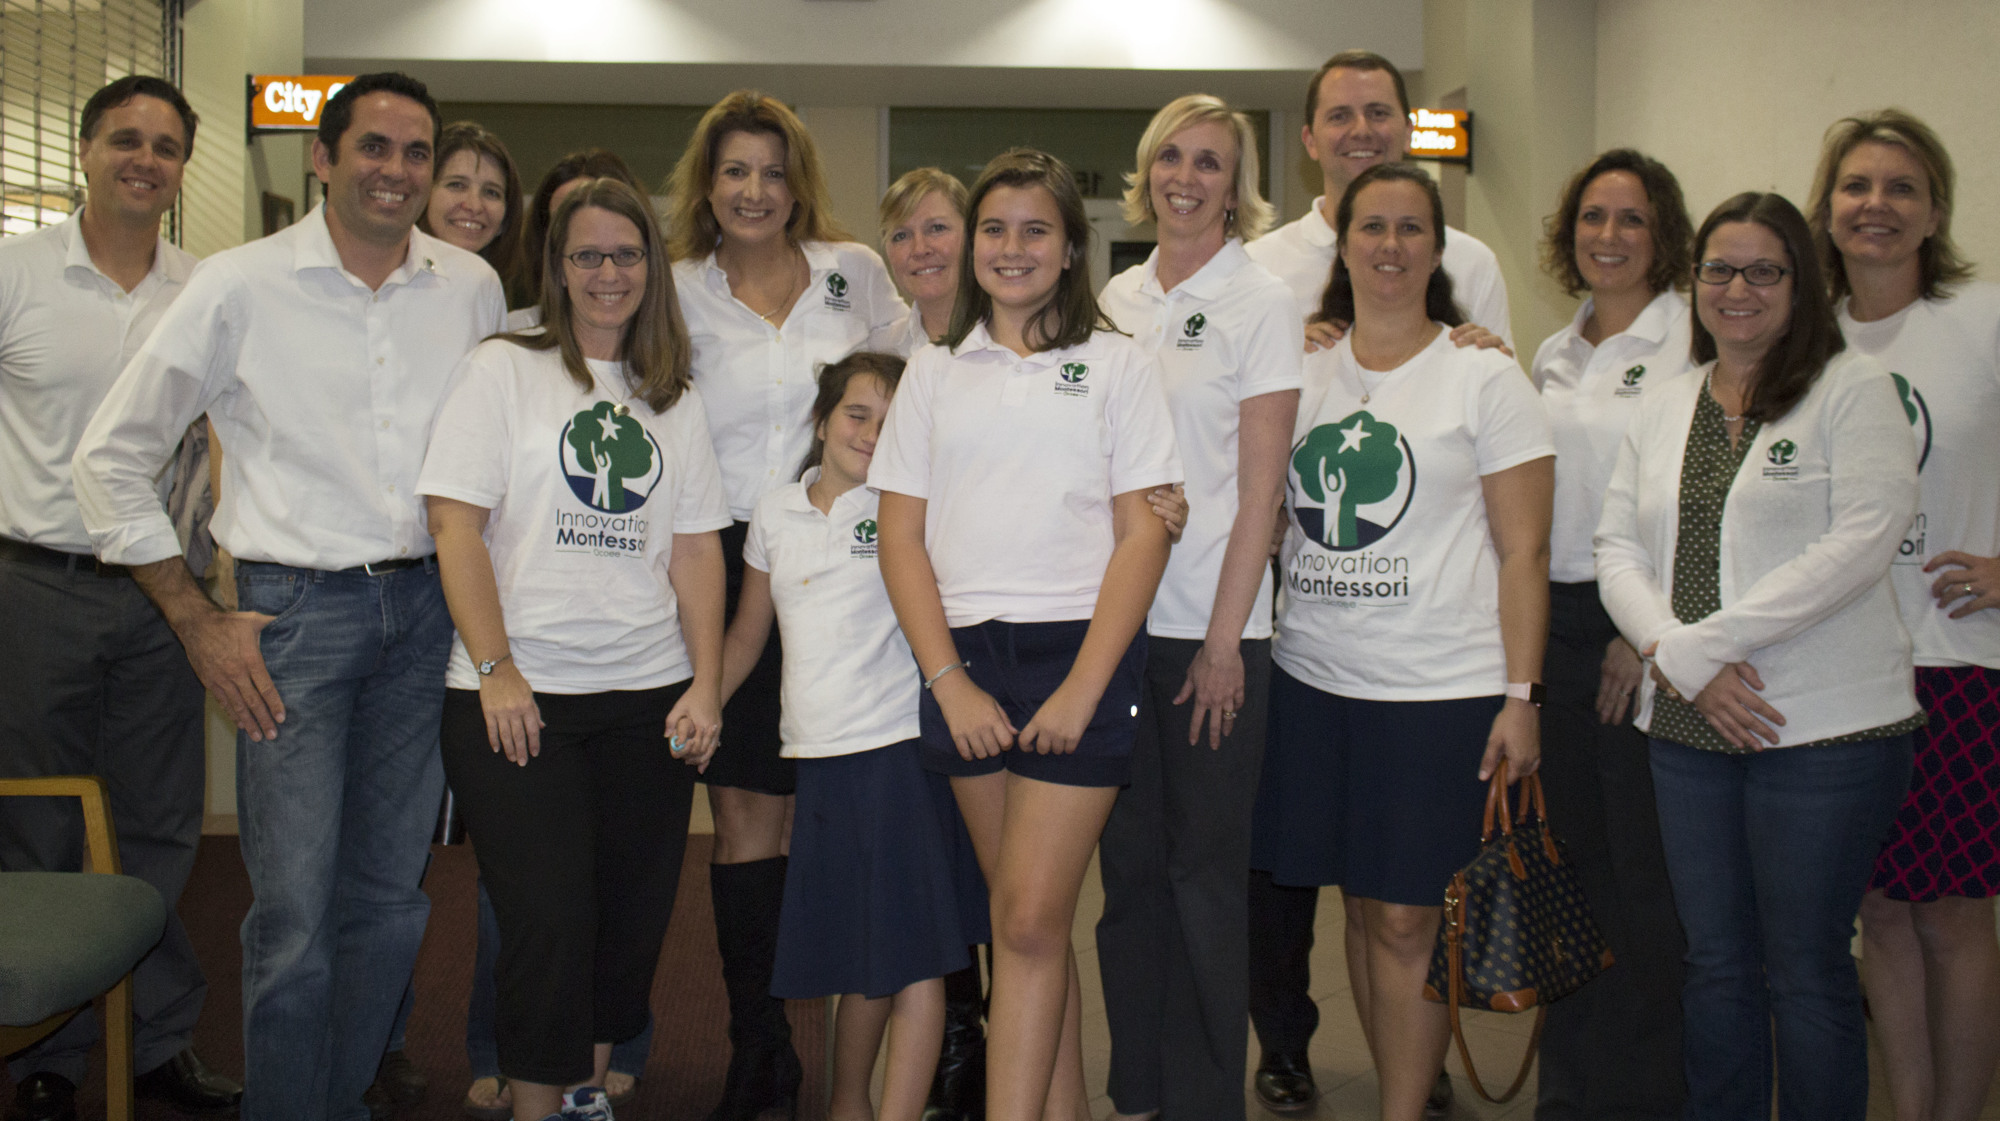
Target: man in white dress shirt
point(1358, 115)
point(320, 355)
point(92, 680)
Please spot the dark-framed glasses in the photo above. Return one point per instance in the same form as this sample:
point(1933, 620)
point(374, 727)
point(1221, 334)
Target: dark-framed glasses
point(1763, 274)
point(589, 260)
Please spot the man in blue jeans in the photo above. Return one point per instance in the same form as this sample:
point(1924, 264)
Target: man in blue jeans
point(319, 354)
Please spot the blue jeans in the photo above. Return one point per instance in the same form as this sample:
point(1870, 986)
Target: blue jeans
point(1769, 855)
point(336, 814)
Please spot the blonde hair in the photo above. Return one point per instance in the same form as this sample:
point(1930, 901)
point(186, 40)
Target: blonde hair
point(1940, 265)
point(910, 190)
point(1252, 215)
point(695, 232)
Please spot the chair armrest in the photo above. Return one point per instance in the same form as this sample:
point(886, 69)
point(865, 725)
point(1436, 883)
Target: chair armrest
point(97, 836)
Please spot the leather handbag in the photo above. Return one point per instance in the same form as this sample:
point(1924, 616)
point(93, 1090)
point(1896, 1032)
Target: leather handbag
point(1517, 931)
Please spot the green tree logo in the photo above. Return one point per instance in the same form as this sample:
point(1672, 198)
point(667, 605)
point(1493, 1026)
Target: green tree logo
point(1919, 412)
point(1351, 463)
point(1194, 326)
point(1633, 375)
point(864, 531)
point(836, 285)
point(1782, 452)
point(1073, 372)
point(610, 448)
point(1904, 390)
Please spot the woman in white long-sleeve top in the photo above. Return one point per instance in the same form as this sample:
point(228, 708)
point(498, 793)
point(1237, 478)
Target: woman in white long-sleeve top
point(1745, 548)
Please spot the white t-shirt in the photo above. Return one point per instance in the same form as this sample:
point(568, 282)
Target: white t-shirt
point(1590, 394)
point(1018, 459)
point(1395, 596)
point(1220, 337)
point(580, 551)
point(758, 380)
point(850, 681)
point(1301, 254)
point(1945, 358)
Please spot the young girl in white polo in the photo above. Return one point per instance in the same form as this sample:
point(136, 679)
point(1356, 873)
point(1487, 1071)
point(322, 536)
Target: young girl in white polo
point(1021, 556)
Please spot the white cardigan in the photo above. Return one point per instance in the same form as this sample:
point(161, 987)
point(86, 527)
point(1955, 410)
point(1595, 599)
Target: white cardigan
point(1811, 523)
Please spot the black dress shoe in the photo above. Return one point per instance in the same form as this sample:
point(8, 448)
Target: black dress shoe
point(400, 1079)
point(1285, 1082)
point(1439, 1103)
point(189, 1086)
point(44, 1096)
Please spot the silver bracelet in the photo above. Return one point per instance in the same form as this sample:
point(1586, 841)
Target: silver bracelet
point(942, 672)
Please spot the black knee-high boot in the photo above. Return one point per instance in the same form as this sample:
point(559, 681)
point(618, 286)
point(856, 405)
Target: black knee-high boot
point(764, 1070)
point(958, 1090)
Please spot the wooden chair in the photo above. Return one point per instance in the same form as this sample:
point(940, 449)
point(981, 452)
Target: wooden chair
point(67, 938)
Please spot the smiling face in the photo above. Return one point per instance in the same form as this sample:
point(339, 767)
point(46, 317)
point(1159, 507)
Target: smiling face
point(923, 251)
point(134, 160)
point(1745, 318)
point(1357, 124)
point(848, 434)
point(1019, 250)
point(469, 202)
point(1881, 206)
point(381, 178)
point(602, 300)
point(1390, 245)
point(1192, 183)
point(1614, 234)
point(749, 196)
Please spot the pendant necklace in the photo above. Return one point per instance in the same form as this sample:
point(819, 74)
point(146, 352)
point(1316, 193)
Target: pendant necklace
point(791, 295)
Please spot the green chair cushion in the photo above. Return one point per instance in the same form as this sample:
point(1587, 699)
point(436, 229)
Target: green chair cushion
point(65, 937)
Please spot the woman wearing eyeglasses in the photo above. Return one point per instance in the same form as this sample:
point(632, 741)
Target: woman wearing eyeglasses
point(1744, 550)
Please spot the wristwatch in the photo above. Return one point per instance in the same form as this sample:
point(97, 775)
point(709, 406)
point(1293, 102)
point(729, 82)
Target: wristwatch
point(1529, 691)
point(486, 668)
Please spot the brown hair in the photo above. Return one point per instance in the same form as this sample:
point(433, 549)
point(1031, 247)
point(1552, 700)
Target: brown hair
point(1252, 215)
point(656, 351)
point(1336, 304)
point(695, 232)
point(1671, 229)
point(1939, 263)
point(116, 93)
point(1072, 312)
point(1786, 372)
point(909, 192)
point(1356, 60)
point(833, 381)
point(503, 252)
point(589, 163)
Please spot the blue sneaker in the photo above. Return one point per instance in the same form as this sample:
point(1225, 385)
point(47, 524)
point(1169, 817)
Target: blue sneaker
point(586, 1103)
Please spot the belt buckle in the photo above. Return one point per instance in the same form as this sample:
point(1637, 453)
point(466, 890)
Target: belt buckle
point(369, 568)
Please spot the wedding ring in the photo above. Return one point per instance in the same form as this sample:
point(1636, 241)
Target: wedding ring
point(1228, 715)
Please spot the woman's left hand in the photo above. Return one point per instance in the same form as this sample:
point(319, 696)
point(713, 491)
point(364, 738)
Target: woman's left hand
point(696, 720)
point(1472, 334)
point(1516, 734)
point(1170, 505)
point(1967, 576)
point(1058, 726)
point(1215, 681)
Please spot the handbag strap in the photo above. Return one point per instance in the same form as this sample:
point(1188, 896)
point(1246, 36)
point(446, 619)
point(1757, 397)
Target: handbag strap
point(1497, 809)
point(1455, 992)
point(1532, 804)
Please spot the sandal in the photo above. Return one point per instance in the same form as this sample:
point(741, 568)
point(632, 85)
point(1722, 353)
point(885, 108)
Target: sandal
point(502, 1108)
point(623, 1094)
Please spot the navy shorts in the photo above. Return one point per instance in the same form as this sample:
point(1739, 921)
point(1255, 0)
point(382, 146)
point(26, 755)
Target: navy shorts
point(1021, 664)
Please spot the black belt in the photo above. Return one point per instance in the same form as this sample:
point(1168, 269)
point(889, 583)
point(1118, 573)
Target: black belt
point(373, 568)
point(1582, 589)
point(23, 552)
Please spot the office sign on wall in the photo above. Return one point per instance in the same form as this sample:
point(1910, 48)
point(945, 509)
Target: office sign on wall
point(1441, 134)
point(290, 102)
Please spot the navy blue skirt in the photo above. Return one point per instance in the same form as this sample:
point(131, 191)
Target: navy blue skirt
point(883, 889)
point(1381, 798)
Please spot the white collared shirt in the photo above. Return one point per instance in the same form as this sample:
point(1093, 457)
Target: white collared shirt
point(850, 681)
point(1590, 393)
point(905, 337)
point(1017, 460)
point(1222, 336)
point(322, 391)
point(1301, 254)
point(66, 329)
point(759, 380)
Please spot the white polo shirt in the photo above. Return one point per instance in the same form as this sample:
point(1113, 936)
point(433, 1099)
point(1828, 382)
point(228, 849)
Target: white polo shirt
point(1222, 336)
point(1018, 459)
point(585, 500)
point(850, 681)
point(759, 380)
point(321, 391)
point(905, 336)
point(1945, 358)
point(1392, 583)
point(1301, 254)
point(1590, 394)
point(66, 330)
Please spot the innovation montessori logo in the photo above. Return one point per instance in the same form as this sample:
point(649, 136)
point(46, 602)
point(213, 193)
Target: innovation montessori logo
point(836, 285)
point(1073, 372)
point(1633, 375)
point(1351, 481)
point(864, 531)
point(1919, 412)
point(609, 459)
point(1782, 453)
point(1194, 326)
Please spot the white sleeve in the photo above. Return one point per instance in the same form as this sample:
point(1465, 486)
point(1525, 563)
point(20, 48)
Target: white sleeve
point(1481, 291)
point(470, 455)
point(1143, 451)
point(1628, 577)
point(184, 367)
point(1511, 427)
point(754, 553)
point(902, 463)
point(884, 308)
point(1273, 353)
point(1872, 457)
point(700, 505)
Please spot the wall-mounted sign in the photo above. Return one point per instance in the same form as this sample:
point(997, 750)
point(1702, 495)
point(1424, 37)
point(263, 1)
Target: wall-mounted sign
point(1441, 134)
point(291, 102)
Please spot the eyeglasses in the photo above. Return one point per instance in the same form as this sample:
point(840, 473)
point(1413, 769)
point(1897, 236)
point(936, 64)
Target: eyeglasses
point(589, 260)
point(1763, 274)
